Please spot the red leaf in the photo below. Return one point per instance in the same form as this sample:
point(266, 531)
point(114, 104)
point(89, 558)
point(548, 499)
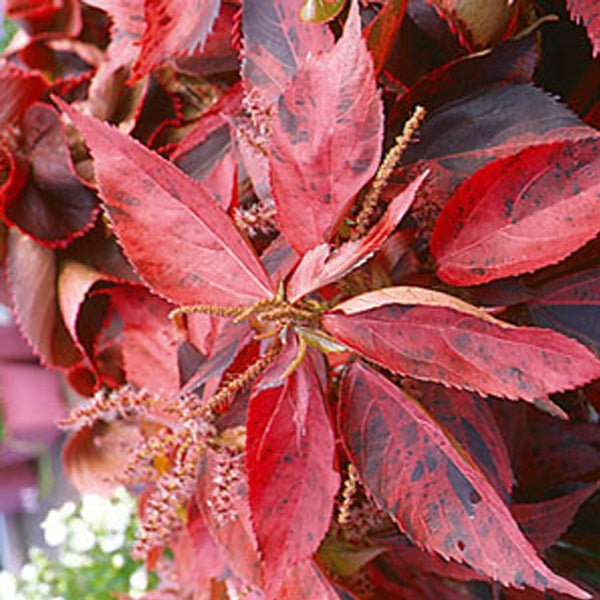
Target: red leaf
point(276, 43)
point(587, 13)
point(331, 104)
point(153, 206)
point(32, 277)
point(289, 458)
point(150, 339)
point(471, 422)
point(431, 336)
point(168, 35)
point(432, 491)
point(322, 265)
point(544, 522)
point(305, 580)
point(54, 206)
point(571, 304)
point(382, 30)
point(520, 213)
point(19, 91)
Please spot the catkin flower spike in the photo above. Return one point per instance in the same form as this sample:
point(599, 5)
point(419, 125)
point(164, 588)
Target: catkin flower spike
point(348, 494)
point(384, 172)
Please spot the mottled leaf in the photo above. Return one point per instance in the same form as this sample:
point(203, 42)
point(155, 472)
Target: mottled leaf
point(276, 42)
point(305, 580)
point(570, 304)
point(432, 336)
point(587, 13)
point(168, 35)
point(323, 265)
point(520, 213)
point(290, 452)
point(331, 104)
point(154, 205)
point(433, 492)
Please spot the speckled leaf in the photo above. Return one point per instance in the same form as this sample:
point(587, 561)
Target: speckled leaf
point(290, 454)
point(276, 43)
point(305, 580)
point(331, 104)
point(587, 13)
point(471, 422)
point(322, 265)
point(432, 336)
point(168, 35)
point(153, 205)
point(571, 304)
point(434, 493)
point(520, 213)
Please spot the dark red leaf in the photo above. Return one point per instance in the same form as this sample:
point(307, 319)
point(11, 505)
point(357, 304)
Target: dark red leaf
point(471, 422)
point(571, 304)
point(322, 265)
point(382, 30)
point(152, 204)
point(168, 35)
point(587, 13)
point(520, 213)
point(32, 276)
point(434, 493)
point(150, 339)
point(290, 456)
point(276, 43)
point(54, 205)
point(544, 522)
point(20, 90)
point(332, 104)
point(431, 336)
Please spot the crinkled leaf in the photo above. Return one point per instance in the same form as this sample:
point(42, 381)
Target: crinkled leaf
point(54, 205)
point(322, 265)
point(544, 522)
point(290, 453)
point(434, 493)
point(168, 35)
point(570, 304)
point(331, 104)
point(520, 213)
point(432, 336)
point(276, 43)
point(587, 13)
point(32, 279)
point(154, 205)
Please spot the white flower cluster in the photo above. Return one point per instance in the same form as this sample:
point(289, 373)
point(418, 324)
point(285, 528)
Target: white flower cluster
point(97, 528)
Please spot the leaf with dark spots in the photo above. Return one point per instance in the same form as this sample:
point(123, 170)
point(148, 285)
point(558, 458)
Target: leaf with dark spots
point(431, 336)
point(326, 139)
point(453, 511)
point(167, 35)
point(570, 304)
point(32, 280)
point(181, 216)
point(544, 522)
point(321, 266)
point(520, 213)
point(587, 13)
point(276, 43)
point(54, 205)
point(20, 89)
point(150, 339)
point(290, 456)
point(471, 422)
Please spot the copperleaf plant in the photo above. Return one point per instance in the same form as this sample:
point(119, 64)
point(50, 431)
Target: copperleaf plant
point(337, 317)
